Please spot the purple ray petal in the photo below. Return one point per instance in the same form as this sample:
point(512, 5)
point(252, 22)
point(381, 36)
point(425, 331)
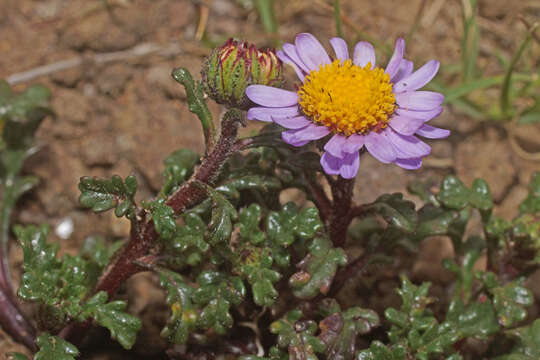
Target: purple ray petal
point(405, 125)
point(419, 78)
point(364, 54)
point(354, 143)
point(335, 144)
point(419, 100)
point(311, 51)
point(409, 164)
point(265, 113)
point(310, 132)
point(330, 164)
point(290, 138)
point(287, 60)
point(349, 165)
point(380, 147)
point(405, 69)
point(424, 115)
point(393, 65)
point(271, 96)
point(297, 122)
point(340, 48)
point(290, 51)
point(432, 132)
point(407, 146)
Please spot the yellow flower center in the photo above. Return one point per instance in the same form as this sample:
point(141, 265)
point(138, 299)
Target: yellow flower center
point(347, 98)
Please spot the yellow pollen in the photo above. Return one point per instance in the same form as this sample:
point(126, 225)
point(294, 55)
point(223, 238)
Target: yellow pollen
point(347, 98)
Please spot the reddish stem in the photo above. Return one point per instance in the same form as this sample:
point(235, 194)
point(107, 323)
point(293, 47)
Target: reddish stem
point(14, 323)
point(340, 219)
point(186, 196)
point(346, 273)
point(143, 232)
point(320, 199)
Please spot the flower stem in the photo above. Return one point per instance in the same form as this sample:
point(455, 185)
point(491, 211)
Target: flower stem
point(342, 192)
point(143, 233)
point(144, 237)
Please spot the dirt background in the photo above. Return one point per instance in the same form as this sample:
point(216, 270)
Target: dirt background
point(124, 116)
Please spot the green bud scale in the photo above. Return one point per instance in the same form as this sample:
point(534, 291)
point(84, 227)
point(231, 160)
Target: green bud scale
point(235, 65)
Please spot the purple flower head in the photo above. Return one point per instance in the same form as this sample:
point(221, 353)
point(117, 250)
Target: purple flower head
point(356, 102)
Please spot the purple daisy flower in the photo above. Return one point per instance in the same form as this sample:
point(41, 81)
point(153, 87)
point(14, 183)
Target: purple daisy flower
point(356, 102)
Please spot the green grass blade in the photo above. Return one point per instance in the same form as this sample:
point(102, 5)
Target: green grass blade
point(469, 44)
point(505, 91)
point(337, 17)
point(265, 9)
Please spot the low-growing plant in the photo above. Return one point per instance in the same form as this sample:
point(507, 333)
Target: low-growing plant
point(250, 276)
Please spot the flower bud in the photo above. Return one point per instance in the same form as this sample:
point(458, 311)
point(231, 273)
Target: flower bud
point(232, 67)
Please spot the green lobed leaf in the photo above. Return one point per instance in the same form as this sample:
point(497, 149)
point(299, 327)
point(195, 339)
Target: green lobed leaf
point(317, 269)
point(189, 240)
point(95, 249)
point(455, 195)
point(434, 221)
point(339, 331)
point(249, 219)
point(423, 189)
point(55, 348)
point(527, 340)
point(178, 168)
point(433, 339)
point(415, 328)
point(465, 274)
point(379, 351)
point(104, 194)
point(256, 268)
point(61, 285)
point(284, 226)
point(223, 214)
point(522, 235)
point(41, 267)
point(22, 113)
point(298, 337)
point(111, 315)
point(231, 188)
point(396, 211)
point(164, 219)
point(531, 205)
point(413, 311)
point(477, 319)
point(183, 318)
point(196, 101)
point(510, 300)
point(216, 294)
